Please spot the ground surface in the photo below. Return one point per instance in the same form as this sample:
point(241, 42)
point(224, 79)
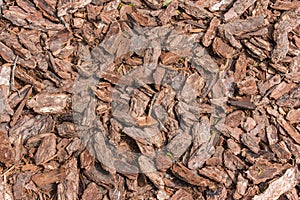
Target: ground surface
point(149, 99)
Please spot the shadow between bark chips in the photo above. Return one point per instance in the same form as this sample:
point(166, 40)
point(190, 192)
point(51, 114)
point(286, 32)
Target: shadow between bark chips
point(167, 106)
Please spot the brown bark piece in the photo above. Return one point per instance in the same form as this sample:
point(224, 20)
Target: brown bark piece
point(202, 148)
point(293, 116)
point(248, 86)
point(11, 41)
point(192, 88)
point(48, 103)
point(240, 68)
point(195, 11)
point(163, 162)
point(248, 124)
point(252, 142)
point(18, 112)
point(289, 129)
point(46, 150)
point(211, 32)
point(217, 194)
point(238, 8)
point(179, 143)
point(288, 22)
point(5, 108)
point(240, 27)
point(100, 177)
point(281, 151)
point(59, 40)
point(272, 134)
point(68, 188)
point(235, 118)
point(49, 177)
point(169, 12)
point(182, 194)
point(241, 187)
point(264, 87)
point(169, 58)
point(30, 126)
point(233, 162)
point(290, 100)
point(7, 152)
point(23, 75)
point(5, 72)
point(92, 191)
point(285, 5)
point(183, 173)
point(283, 184)
point(217, 157)
point(255, 51)
point(48, 8)
point(234, 146)
point(217, 174)
point(294, 77)
point(222, 49)
point(6, 53)
point(30, 18)
point(147, 167)
point(70, 6)
point(6, 191)
point(263, 170)
point(102, 152)
point(242, 104)
point(281, 89)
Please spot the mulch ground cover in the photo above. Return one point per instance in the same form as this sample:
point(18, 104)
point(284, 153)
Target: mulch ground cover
point(149, 99)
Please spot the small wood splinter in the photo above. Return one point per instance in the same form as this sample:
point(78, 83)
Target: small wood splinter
point(12, 80)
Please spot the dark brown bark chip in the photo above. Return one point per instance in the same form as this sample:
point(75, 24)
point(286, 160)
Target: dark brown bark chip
point(248, 86)
point(281, 185)
point(7, 152)
point(293, 133)
point(211, 32)
point(281, 151)
point(281, 89)
point(93, 191)
point(49, 177)
point(222, 49)
point(69, 187)
point(252, 142)
point(217, 174)
point(233, 162)
point(46, 150)
point(235, 118)
point(241, 187)
point(263, 170)
point(187, 175)
point(182, 194)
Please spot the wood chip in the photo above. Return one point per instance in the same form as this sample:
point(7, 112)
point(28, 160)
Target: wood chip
point(282, 89)
point(48, 103)
point(263, 170)
point(189, 176)
point(211, 32)
point(283, 184)
point(237, 9)
point(289, 129)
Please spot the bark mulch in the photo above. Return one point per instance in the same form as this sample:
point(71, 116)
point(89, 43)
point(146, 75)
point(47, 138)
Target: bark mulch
point(149, 99)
